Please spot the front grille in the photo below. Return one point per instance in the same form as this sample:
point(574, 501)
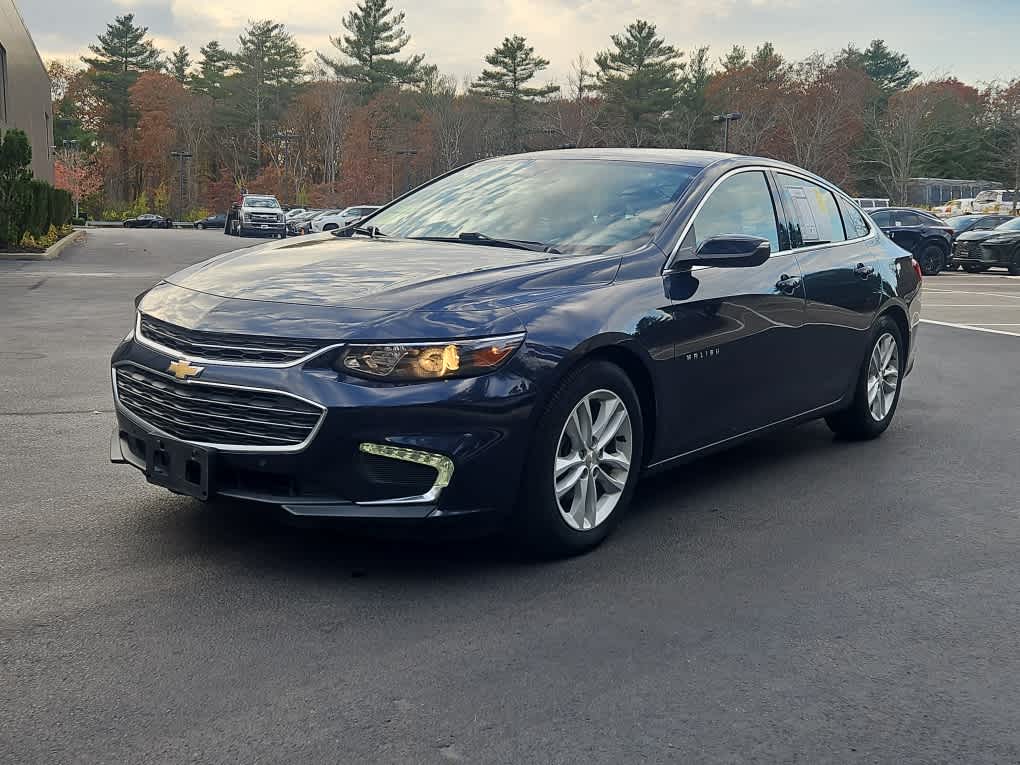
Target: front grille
point(263, 217)
point(215, 414)
point(222, 346)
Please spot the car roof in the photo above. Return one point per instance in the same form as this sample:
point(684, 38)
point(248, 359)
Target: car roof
point(687, 157)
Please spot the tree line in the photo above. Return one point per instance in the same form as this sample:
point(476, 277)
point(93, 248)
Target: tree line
point(364, 122)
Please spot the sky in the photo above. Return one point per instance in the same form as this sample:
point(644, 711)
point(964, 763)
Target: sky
point(941, 37)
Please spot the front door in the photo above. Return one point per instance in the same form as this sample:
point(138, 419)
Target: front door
point(734, 331)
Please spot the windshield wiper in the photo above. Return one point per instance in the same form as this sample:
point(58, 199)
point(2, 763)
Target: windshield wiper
point(474, 237)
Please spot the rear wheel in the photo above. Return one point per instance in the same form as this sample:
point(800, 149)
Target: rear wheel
point(931, 260)
point(877, 392)
point(584, 462)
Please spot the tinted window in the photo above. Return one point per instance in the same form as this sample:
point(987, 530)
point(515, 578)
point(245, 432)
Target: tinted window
point(1013, 224)
point(987, 223)
point(812, 211)
point(903, 218)
point(853, 220)
point(574, 205)
point(962, 222)
point(742, 204)
point(881, 218)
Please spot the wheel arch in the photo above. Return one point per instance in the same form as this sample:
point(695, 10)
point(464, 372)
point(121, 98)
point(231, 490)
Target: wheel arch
point(636, 369)
point(899, 314)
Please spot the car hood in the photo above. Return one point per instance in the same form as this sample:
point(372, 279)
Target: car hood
point(388, 274)
point(980, 236)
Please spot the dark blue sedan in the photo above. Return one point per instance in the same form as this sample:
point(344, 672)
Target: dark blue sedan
point(520, 340)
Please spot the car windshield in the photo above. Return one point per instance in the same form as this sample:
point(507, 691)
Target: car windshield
point(1010, 225)
point(256, 202)
point(574, 206)
point(961, 222)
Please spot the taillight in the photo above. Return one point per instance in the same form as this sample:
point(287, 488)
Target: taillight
point(917, 269)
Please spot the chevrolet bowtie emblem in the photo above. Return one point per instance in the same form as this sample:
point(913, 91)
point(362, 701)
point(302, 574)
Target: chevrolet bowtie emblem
point(183, 369)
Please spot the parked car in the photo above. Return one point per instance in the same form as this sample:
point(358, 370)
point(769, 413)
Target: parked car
point(301, 224)
point(954, 207)
point(520, 340)
point(342, 218)
point(149, 220)
point(979, 250)
point(260, 215)
point(995, 201)
point(219, 220)
point(293, 212)
point(921, 234)
point(964, 223)
point(871, 203)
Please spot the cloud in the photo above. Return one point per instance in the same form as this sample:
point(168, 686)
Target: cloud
point(457, 34)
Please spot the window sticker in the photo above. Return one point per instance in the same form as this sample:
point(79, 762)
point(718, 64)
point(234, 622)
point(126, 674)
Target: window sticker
point(806, 216)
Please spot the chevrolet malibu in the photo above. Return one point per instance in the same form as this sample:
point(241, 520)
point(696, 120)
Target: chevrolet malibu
point(520, 339)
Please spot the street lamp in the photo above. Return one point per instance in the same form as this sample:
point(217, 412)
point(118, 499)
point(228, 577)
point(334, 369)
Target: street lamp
point(183, 156)
point(726, 119)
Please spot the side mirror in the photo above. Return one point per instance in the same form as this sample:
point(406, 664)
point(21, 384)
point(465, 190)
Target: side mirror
point(732, 251)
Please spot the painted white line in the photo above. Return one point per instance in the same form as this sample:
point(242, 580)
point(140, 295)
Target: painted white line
point(970, 326)
point(965, 292)
point(1000, 325)
point(969, 305)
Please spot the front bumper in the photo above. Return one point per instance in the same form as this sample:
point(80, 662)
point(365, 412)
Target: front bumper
point(981, 254)
point(479, 425)
point(261, 227)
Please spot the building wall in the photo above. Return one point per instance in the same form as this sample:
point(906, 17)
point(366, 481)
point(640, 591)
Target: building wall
point(26, 90)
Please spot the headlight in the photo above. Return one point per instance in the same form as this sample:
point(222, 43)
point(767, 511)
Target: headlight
point(427, 361)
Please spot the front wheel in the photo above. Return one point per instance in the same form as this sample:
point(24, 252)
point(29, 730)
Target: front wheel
point(877, 391)
point(584, 462)
point(1014, 263)
point(931, 260)
point(200, 226)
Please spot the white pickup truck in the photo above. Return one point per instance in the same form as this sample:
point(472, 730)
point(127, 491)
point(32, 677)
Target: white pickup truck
point(260, 215)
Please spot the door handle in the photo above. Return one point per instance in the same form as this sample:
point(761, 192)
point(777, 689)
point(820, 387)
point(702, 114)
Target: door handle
point(788, 284)
point(863, 270)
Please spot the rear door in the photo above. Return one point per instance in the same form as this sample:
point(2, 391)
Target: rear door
point(906, 228)
point(733, 331)
point(842, 282)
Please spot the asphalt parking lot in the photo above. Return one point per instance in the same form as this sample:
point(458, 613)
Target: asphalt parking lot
point(799, 599)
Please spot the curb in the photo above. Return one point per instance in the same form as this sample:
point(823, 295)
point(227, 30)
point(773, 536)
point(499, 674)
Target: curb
point(51, 253)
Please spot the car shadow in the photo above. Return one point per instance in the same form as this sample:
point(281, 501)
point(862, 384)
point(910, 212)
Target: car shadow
point(266, 538)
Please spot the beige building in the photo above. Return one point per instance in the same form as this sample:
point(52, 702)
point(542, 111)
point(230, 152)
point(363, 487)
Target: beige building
point(25, 89)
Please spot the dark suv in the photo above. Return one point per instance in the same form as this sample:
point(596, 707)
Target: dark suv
point(924, 236)
point(979, 250)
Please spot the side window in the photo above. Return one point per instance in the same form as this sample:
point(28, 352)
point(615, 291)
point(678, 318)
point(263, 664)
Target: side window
point(814, 215)
point(881, 218)
point(903, 218)
point(742, 204)
point(853, 220)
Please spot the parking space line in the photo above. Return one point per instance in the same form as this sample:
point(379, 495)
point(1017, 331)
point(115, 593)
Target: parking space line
point(970, 326)
point(967, 292)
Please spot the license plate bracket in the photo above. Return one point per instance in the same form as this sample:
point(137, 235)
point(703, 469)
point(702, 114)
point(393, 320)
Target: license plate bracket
point(177, 466)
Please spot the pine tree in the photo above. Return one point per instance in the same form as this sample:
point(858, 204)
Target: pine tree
point(123, 51)
point(266, 73)
point(212, 70)
point(179, 64)
point(514, 64)
point(735, 60)
point(890, 70)
point(639, 79)
point(375, 36)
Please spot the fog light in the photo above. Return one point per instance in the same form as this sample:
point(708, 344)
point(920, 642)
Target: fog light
point(443, 465)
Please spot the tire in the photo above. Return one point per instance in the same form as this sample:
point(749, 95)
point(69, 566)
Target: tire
point(861, 420)
point(330, 227)
point(543, 522)
point(931, 259)
point(974, 268)
point(200, 226)
point(1014, 263)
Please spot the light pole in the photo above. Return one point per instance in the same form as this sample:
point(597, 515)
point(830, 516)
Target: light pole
point(183, 156)
point(726, 119)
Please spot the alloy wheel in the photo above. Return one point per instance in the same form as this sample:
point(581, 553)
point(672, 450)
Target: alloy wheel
point(593, 460)
point(883, 376)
